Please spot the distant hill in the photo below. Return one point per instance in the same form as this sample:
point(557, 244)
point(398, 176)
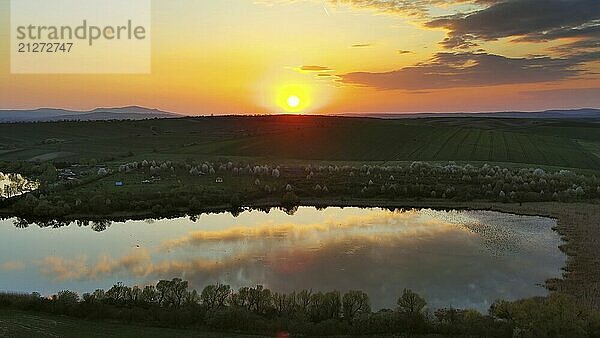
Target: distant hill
point(98, 114)
point(142, 113)
point(585, 113)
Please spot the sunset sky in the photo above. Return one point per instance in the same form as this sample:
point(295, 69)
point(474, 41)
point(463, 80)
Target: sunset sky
point(253, 56)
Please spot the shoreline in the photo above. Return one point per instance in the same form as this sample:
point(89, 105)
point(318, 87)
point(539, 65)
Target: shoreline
point(578, 224)
point(525, 208)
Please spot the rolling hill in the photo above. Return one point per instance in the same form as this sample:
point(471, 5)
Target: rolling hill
point(552, 142)
point(98, 114)
point(584, 113)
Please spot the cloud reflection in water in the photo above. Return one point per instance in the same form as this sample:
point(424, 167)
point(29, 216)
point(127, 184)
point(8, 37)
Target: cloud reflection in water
point(461, 259)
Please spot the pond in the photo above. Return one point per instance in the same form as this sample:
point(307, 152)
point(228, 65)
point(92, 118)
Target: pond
point(464, 259)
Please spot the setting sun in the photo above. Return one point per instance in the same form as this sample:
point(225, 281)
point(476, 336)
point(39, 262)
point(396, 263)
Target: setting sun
point(293, 101)
point(295, 98)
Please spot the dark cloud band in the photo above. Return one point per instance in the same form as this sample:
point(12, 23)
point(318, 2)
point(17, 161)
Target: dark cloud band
point(525, 20)
point(451, 70)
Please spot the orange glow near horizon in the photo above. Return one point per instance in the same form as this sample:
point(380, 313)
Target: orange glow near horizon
point(314, 57)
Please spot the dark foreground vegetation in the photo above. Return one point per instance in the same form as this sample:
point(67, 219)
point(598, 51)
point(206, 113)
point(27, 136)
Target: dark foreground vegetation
point(26, 324)
point(258, 310)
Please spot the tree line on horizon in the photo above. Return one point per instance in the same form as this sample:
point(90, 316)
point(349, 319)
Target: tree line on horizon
point(258, 310)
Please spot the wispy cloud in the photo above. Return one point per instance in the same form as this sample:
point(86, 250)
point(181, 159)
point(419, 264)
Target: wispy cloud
point(407, 8)
point(289, 230)
point(61, 268)
point(315, 69)
point(451, 70)
point(12, 266)
point(392, 228)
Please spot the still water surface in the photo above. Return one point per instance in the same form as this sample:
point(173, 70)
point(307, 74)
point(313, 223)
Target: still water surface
point(453, 258)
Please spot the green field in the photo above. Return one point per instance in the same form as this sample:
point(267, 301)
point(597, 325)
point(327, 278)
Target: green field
point(291, 144)
point(561, 143)
point(28, 324)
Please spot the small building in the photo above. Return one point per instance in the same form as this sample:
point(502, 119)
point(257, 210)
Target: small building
point(219, 180)
point(146, 182)
point(119, 184)
point(66, 174)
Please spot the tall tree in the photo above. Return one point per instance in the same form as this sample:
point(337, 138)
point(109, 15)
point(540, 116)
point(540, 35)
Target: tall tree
point(411, 303)
point(354, 303)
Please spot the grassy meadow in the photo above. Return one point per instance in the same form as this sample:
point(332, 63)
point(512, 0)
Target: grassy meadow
point(14, 323)
point(560, 143)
